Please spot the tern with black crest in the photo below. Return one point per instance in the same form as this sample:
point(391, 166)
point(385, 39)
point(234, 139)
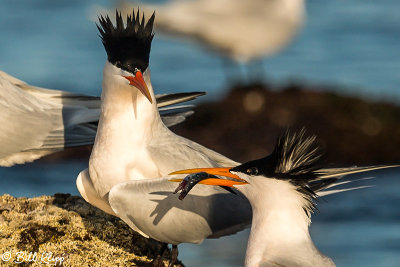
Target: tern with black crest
point(134, 151)
point(282, 189)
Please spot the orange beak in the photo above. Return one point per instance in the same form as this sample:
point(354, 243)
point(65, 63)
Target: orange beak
point(213, 181)
point(139, 83)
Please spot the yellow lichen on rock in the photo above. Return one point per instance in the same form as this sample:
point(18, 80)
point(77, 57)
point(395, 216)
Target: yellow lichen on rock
point(64, 230)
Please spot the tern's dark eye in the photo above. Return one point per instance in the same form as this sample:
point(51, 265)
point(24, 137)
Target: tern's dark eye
point(118, 64)
point(252, 171)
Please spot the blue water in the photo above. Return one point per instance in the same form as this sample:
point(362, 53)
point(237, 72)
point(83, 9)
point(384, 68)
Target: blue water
point(352, 44)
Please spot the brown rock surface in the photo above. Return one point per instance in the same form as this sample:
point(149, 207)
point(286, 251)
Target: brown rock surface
point(64, 230)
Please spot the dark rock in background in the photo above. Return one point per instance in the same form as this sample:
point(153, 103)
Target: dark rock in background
point(245, 124)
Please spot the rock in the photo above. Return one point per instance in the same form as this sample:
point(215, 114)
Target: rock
point(65, 230)
point(245, 123)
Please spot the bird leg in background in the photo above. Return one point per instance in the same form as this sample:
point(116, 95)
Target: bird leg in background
point(233, 72)
point(255, 71)
point(189, 182)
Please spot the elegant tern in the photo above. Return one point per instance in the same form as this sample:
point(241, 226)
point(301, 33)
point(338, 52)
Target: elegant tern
point(241, 30)
point(282, 189)
point(37, 121)
point(134, 150)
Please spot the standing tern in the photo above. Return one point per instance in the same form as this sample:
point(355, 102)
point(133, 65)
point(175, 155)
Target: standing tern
point(282, 189)
point(133, 150)
point(36, 121)
point(243, 31)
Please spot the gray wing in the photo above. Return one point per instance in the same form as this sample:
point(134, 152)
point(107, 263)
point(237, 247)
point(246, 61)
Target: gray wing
point(26, 122)
point(172, 115)
point(36, 121)
point(164, 100)
point(207, 212)
point(185, 153)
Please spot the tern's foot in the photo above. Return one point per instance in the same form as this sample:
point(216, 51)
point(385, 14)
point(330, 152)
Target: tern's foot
point(158, 261)
point(189, 182)
point(174, 255)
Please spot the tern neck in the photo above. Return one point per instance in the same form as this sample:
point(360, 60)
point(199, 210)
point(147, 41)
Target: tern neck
point(127, 124)
point(125, 108)
point(279, 232)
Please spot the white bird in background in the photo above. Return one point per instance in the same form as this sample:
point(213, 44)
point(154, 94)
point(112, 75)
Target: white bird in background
point(243, 31)
point(134, 149)
point(282, 189)
point(36, 122)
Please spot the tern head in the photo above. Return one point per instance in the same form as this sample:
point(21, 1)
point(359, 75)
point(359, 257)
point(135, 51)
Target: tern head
point(294, 161)
point(128, 47)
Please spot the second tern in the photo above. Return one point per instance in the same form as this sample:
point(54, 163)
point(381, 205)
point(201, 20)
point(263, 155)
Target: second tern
point(282, 189)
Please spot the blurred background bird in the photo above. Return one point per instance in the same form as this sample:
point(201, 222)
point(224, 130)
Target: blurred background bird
point(243, 32)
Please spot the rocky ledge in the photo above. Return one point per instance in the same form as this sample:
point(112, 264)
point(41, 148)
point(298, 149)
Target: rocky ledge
point(64, 230)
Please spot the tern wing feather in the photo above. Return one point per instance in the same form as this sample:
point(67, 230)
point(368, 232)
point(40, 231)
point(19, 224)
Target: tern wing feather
point(25, 122)
point(151, 206)
point(164, 100)
point(37, 121)
point(172, 152)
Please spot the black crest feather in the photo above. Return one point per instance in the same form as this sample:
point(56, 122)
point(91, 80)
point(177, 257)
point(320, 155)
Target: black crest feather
point(295, 158)
point(128, 47)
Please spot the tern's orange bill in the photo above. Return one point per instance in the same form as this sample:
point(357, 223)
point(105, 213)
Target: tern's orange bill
point(213, 181)
point(214, 171)
point(140, 84)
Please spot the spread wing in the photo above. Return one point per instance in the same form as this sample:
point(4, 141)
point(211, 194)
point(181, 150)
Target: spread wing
point(37, 121)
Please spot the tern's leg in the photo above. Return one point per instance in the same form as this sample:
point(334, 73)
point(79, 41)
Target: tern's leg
point(174, 255)
point(158, 261)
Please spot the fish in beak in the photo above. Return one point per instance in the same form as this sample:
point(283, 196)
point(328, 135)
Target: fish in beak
point(140, 84)
point(212, 180)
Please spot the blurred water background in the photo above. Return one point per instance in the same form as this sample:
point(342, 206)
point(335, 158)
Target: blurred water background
point(351, 45)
